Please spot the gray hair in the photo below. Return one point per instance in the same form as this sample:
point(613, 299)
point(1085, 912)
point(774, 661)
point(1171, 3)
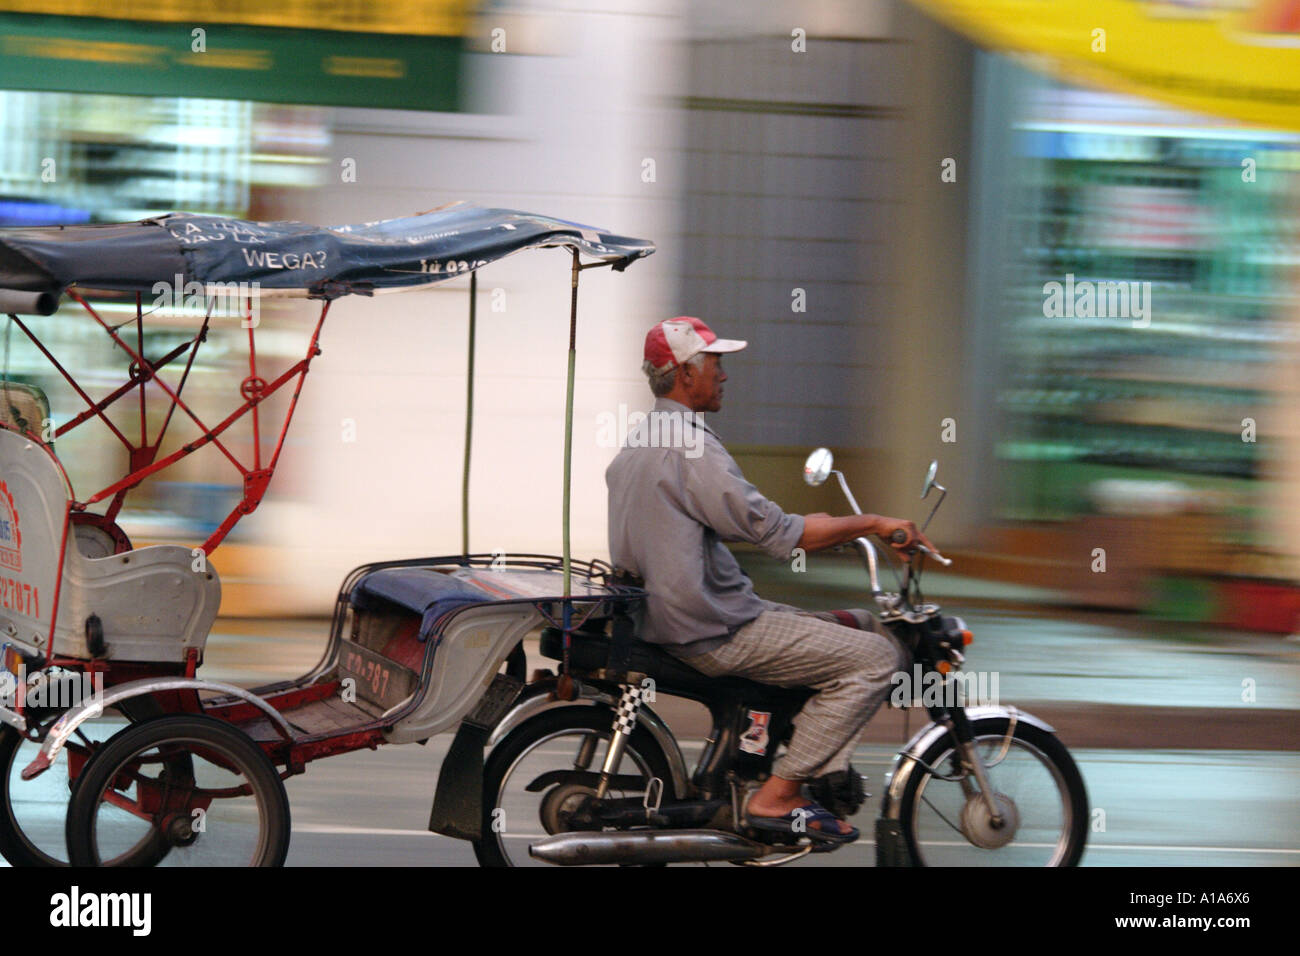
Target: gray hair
point(661, 383)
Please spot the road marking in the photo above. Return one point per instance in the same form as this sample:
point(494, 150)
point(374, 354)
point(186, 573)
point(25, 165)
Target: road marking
point(861, 845)
point(1123, 846)
point(1188, 849)
point(361, 831)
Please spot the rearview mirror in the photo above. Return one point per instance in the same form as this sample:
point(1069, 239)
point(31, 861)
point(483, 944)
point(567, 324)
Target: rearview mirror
point(929, 478)
point(818, 466)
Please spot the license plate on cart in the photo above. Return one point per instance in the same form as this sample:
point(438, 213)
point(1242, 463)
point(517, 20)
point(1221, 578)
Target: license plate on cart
point(378, 680)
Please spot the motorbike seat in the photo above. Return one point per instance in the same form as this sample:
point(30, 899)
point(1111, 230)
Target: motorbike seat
point(589, 651)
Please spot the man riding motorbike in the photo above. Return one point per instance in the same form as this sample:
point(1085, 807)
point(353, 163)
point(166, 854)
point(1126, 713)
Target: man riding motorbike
point(675, 495)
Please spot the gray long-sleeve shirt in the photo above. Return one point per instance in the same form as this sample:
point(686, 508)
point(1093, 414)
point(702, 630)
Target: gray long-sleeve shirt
point(675, 495)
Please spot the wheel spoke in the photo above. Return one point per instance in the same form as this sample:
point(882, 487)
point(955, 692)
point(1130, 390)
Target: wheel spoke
point(955, 828)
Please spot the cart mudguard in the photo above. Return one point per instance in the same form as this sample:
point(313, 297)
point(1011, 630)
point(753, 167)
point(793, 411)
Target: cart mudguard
point(66, 725)
point(906, 761)
point(458, 801)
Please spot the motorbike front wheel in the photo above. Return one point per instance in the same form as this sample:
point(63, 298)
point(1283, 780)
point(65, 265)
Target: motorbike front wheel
point(1039, 792)
point(194, 785)
point(565, 739)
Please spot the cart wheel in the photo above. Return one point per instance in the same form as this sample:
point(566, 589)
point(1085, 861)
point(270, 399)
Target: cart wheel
point(199, 786)
point(32, 812)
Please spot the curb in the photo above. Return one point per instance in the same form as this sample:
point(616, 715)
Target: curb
point(1079, 725)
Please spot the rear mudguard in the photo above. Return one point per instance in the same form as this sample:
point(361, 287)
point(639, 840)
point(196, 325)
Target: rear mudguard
point(458, 801)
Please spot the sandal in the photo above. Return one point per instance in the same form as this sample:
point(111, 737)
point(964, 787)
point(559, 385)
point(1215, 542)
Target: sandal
point(809, 814)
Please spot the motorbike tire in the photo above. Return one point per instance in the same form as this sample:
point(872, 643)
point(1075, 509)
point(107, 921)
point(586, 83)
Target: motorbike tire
point(1046, 748)
point(536, 730)
point(184, 736)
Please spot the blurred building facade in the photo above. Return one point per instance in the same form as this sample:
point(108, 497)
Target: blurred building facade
point(1165, 438)
point(876, 206)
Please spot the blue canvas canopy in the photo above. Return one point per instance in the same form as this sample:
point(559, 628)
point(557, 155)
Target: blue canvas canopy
point(222, 256)
point(282, 258)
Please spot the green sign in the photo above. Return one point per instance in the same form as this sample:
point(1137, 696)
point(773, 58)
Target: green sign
point(319, 67)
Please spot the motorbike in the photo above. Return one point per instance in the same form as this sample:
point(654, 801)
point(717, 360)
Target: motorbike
point(116, 751)
point(589, 763)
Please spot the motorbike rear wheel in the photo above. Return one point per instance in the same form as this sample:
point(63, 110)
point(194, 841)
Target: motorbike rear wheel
point(567, 738)
point(1038, 786)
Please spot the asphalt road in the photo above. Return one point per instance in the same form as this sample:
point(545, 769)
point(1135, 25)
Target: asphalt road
point(1159, 808)
point(1185, 770)
point(1162, 808)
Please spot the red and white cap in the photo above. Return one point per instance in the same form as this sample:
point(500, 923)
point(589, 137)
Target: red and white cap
point(675, 341)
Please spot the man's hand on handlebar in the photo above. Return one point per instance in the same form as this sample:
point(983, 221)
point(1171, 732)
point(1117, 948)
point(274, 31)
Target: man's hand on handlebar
point(906, 547)
point(827, 531)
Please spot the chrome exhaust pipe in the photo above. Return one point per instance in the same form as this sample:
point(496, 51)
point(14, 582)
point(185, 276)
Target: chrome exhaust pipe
point(645, 846)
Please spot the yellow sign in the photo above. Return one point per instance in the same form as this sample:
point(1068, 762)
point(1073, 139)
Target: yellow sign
point(411, 17)
point(1234, 58)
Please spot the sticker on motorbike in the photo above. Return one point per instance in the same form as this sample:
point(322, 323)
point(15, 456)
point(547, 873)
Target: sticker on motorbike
point(754, 740)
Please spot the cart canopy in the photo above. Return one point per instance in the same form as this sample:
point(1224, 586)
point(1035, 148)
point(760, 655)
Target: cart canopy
point(281, 258)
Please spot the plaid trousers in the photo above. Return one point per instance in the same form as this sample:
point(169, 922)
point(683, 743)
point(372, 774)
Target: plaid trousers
point(849, 668)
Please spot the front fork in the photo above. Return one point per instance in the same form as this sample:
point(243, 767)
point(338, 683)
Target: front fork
point(629, 705)
point(959, 727)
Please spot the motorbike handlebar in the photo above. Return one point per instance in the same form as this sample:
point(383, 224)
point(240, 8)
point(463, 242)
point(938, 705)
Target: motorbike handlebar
point(899, 536)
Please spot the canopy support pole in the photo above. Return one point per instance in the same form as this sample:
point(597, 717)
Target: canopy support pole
point(469, 416)
point(568, 426)
point(564, 689)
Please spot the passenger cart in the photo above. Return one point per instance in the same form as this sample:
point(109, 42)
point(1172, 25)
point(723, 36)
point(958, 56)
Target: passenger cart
point(193, 769)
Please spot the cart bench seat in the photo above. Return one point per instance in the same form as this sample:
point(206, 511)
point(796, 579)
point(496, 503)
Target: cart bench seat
point(152, 604)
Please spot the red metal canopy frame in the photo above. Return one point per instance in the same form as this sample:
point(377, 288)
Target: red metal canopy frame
point(142, 454)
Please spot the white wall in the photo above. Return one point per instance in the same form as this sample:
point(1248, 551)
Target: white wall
point(565, 134)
